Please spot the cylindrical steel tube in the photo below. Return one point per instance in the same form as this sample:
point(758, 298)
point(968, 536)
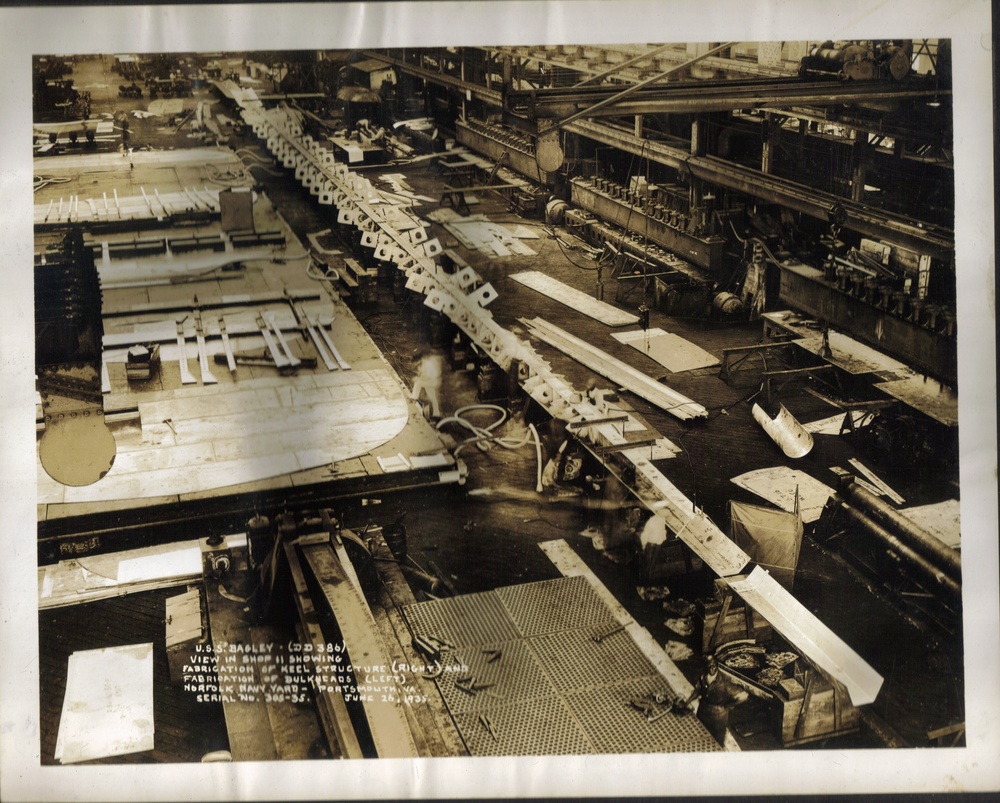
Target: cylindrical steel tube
point(933, 578)
point(908, 531)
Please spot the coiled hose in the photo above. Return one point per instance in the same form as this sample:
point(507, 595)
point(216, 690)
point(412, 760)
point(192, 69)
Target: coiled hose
point(485, 434)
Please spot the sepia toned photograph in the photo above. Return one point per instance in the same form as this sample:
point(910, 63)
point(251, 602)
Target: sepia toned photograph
point(536, 402)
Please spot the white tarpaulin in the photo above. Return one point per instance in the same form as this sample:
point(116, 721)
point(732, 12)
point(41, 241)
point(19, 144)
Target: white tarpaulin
point(108, 707)
point(780, 486)
point(813, 640)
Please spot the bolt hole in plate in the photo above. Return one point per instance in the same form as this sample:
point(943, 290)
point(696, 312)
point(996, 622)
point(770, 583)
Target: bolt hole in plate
point(77, 451)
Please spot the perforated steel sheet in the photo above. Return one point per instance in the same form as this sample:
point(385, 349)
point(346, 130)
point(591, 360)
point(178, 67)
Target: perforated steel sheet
point(512, 678)
point(552, 605)
point(468, 620)
point(574, 661)
point(542, 727)
point(614, 726)
point(553, 690)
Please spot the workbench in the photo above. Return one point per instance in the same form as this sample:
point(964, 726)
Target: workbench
point(892, 377)
point(457, 196)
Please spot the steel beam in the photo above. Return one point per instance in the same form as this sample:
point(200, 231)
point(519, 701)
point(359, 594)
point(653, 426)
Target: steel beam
point(695, 98)
point(924, 238)
point(614, 99)
point(491, 96)
point(729, 65)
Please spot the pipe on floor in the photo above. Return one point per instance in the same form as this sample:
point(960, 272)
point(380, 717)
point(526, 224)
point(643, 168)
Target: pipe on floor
point(934, 578)
point(907, 531)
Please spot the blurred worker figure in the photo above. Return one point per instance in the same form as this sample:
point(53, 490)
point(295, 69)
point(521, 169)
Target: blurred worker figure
point(719, 695)
point(428, 381)
point(563, 458)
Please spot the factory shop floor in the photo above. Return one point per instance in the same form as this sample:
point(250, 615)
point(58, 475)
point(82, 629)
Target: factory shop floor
point(485, 535)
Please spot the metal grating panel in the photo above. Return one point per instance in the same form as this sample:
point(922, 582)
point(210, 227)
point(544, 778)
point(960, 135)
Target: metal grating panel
point(614, 726)
point(552, 605)
point(554, 690)
point(532, 728)
point(575, 661)
point(468, 620)
point(513, 677)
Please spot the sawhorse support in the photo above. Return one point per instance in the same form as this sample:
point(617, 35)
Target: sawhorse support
point(455, 196)
point(726, 369)
point(788, 375)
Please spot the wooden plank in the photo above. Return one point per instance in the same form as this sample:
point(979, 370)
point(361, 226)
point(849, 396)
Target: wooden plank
point(617, 371)
point(386, 719)
point(571, 297)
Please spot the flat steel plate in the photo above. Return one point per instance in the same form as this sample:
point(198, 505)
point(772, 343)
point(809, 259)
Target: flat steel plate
point(575, 661)
point(468, 620)
point(513, 677)
point(542, 727)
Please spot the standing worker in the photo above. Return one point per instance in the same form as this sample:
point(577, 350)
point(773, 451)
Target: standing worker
point(428, 380)
point(719, 695)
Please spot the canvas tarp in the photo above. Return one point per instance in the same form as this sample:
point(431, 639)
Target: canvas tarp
point(772, 538)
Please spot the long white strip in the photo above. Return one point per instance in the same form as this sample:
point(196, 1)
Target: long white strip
point(571, 297)
point(815, 641)
point(654, 392)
